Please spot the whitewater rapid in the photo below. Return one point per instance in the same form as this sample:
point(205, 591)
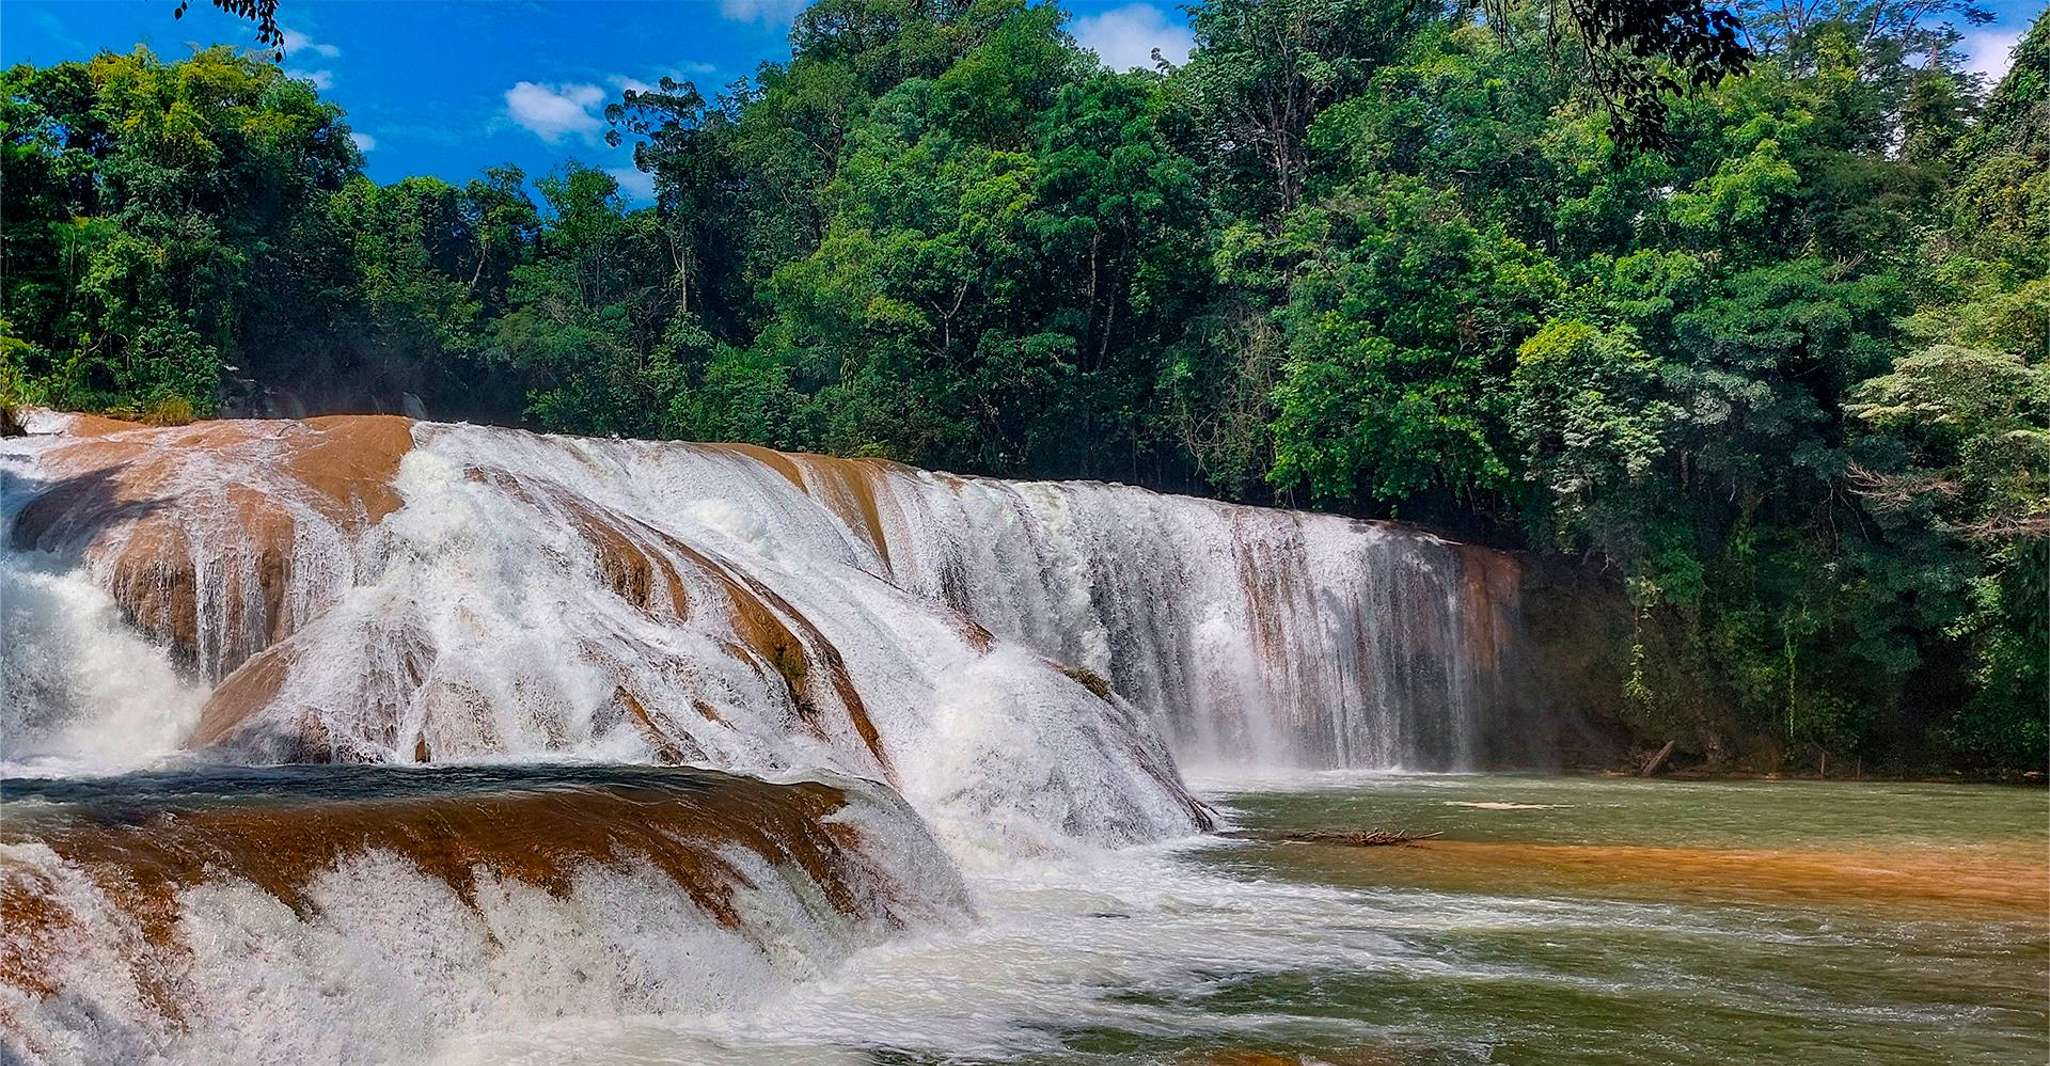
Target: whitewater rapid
point(1026, 665)
point(1238, 634)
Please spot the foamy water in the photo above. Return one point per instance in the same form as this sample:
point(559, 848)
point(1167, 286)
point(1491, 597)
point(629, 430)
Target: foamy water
point(79, 691)
point(1125, 943)
point(1262, 637)
point(1171, 954)
point(1009, 680)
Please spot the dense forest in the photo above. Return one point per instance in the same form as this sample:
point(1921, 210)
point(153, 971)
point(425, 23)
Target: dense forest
point(1781, 366)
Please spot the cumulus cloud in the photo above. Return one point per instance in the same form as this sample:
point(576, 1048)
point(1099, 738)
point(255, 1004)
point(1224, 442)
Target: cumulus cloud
point(1125, 37)
point(364, 142)
point(298, 42)
point(551, 111)
point(1991, 52)
point(634, 184)
point(321, 79)
point(770, 11)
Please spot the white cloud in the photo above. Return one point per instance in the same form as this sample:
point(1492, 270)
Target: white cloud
point(1990, 52)
point(653, 82)
point(321, 79)
point(299, 42)
point(57, 31)
point(364, 142)
point(550, 111)
point(1125, 37)
point(771, 11)
point(634, 183)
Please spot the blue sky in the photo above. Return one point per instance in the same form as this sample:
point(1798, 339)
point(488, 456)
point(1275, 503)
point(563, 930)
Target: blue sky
point(448, 88)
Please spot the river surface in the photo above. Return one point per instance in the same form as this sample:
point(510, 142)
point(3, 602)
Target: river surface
point(1556, 920)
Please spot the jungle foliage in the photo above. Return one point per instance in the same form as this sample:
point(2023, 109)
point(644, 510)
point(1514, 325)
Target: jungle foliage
point(1780, 363)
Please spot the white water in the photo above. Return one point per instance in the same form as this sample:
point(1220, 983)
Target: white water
point(1130, 942)
point(384, 961)
point(477, 623)
point(1245, 635)
point(80, 692)
point(1256, 636)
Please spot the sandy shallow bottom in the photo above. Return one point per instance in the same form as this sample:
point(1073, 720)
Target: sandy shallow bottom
point(1557, 920)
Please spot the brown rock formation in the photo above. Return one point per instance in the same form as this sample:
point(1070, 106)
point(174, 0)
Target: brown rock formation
point(683, 823)
point(194, 526)
point(848, 487)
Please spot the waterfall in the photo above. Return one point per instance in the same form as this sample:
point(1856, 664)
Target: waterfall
point(1253, 635)
point(368, 588)
point(490, 635)
point(1248, 634)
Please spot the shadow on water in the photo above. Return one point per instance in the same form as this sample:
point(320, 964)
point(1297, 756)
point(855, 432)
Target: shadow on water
point(66, 514)
point(146, 794)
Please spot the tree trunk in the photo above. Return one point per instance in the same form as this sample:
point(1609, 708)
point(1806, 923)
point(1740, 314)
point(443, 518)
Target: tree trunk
point(1657, 762)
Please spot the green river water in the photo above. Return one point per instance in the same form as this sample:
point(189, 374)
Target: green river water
point(1593, 920)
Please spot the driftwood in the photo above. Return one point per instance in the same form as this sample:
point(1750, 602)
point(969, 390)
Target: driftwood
point(1657, 762)
point(1347, 838)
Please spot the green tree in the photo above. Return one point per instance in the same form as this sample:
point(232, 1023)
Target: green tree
point(593, 324)
point(1263, 70)
point(1404, 320)
point(141, 197)
point(1593, 422)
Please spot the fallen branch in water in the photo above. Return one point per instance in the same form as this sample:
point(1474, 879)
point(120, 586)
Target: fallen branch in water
point(1345, 838)
point(1658, 761)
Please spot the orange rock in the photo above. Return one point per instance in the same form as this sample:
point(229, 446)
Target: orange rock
point(196, 526)
point(242, 695)
point(683, 824)
point(849, 487)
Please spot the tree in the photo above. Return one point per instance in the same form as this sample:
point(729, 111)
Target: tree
point(147, 193)
point(593, 324)
point(1758, 332)
point(1404, 321)
point(262, 12)
point(1593, 422)
point(1263, 70)
point(1637, 53)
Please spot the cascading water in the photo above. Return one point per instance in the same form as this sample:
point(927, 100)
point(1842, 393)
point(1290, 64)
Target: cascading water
point(1255, 636)
point(362, 591)
point(1246, 634)
point(1022, 663)
point(360, 914)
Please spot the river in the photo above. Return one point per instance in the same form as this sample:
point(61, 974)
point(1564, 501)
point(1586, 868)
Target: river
point(360, 740)
point(1559, 919)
